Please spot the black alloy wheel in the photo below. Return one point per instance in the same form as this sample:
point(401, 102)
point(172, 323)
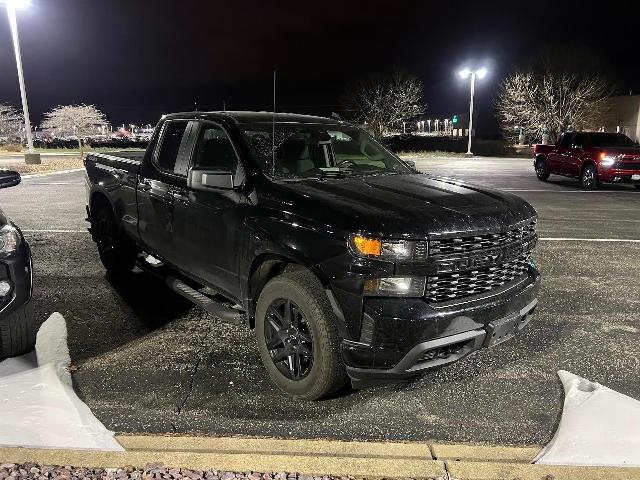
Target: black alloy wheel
point(289, 339)
point(117, 255)
point(588, 178)
point(541, 169)
point(298, 337)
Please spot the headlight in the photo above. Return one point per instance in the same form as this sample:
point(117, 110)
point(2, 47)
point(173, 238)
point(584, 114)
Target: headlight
point(607, 160)
point(389, 249)
point(9, 240)
point(395, 286)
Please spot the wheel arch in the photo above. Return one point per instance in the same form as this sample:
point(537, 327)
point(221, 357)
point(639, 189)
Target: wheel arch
point(586, 163)
point(266, 266)
point(97, 200)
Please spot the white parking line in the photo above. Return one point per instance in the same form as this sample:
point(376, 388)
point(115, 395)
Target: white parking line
point(566, 191)
point(546, 239)
point(565, 239)
point(54, 231)
point(44, 174)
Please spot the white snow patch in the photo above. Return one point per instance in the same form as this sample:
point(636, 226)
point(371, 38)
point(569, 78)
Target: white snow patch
point(599, 426)
point(38, 407)
point(51, 346)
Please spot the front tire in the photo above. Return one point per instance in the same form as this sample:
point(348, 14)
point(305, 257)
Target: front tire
point(18, 332)
point(117, 254)
point(541, 170)
point(589, 178)
point(298, 338)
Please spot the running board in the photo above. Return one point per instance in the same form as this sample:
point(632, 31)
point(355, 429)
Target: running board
point(215, 308)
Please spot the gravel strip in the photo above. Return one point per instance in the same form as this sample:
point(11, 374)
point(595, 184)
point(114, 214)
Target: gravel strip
point(33, 471)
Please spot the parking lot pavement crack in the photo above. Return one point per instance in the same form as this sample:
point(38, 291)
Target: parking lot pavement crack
point(194, 372)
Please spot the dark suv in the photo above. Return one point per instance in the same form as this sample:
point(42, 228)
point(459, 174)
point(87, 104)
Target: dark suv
point(18, 327)
point(347, 261)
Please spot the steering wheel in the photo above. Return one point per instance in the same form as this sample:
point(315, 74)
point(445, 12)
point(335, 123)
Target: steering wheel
point(347, 162)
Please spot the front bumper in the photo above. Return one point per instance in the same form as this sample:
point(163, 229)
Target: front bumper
point(403, 337)
point(617, 175)
point(17, 269)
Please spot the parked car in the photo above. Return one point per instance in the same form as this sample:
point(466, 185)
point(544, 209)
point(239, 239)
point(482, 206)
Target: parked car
point(593, 157)
point(18, 325)
point(347, 262)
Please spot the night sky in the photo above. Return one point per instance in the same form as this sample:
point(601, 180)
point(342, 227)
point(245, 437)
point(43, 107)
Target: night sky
point(138, 59)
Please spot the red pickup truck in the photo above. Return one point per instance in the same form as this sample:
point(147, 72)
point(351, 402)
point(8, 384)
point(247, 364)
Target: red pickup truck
point(593, 157)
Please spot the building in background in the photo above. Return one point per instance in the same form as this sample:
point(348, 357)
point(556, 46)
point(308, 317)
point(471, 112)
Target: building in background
point(623, 115)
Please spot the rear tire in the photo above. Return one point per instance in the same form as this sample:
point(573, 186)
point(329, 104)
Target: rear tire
point(18, 332)
point(541, 169)
point(589, 178)
point(313, 331)
point(117, 253)
point(637, 187)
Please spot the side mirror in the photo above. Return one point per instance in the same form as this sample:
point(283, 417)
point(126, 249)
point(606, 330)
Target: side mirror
point(410, 163)
point(210, 179)
point(9, 178)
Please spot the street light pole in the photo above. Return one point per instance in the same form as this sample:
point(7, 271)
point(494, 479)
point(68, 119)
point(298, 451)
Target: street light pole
point(480, 73)
point(31, 157)
point(473, 89)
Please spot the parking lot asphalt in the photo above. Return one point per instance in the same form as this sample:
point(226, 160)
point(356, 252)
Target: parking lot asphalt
point(150, 362)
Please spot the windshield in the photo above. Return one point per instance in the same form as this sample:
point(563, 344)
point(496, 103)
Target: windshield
point(609, 140)
point(305, 150)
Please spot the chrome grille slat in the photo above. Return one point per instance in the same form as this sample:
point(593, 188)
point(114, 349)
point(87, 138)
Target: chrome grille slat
point(441, 288)
point(480, 242)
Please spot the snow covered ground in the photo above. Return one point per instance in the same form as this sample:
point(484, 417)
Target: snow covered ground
point(38, 407)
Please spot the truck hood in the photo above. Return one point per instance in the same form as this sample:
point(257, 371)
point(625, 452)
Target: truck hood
point(415, 205)
point(627, 151)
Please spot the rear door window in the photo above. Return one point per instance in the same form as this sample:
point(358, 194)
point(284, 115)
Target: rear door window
point(171, 141)
point(565, 141)
point(578, 140)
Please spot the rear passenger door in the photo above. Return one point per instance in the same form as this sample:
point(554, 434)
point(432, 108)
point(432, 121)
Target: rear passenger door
point(162, 177)
point(557, 157)
point(575, 155)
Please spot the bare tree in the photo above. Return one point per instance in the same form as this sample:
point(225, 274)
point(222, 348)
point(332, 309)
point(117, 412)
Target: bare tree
point(385, 101)
point(77, 121)
point(11, 126)
point(551, 102)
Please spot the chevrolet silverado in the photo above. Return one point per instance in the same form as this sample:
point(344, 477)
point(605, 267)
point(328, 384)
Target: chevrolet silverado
point(347, 262)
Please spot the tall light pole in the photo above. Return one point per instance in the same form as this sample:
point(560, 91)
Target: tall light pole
point(466, 73)
point(12, 6)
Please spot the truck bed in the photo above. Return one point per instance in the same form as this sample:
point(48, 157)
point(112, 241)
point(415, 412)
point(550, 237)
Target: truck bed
point(128, 160)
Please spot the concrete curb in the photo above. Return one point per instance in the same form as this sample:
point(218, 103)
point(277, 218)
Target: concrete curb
point(323, 457)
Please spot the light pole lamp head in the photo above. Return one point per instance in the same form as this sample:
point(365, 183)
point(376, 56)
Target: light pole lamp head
point(464, 73)
point(481, 72)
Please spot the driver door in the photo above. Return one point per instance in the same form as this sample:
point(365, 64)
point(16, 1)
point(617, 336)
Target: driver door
point(209, 221)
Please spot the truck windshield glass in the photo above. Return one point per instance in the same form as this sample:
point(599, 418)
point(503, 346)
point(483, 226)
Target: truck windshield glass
point(310, 150)
point(610, 140)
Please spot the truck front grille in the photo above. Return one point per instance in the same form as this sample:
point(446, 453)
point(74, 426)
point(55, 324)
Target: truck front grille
point(628, 166)
point(442, 288)
point(479, 242)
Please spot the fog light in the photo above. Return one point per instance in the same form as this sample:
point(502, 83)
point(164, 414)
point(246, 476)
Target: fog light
point(395, 286)
point(5, 288)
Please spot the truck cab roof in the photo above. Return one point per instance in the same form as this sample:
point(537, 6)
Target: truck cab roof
point(254, 117)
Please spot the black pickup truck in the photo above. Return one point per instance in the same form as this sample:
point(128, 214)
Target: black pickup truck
point(348, 263)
